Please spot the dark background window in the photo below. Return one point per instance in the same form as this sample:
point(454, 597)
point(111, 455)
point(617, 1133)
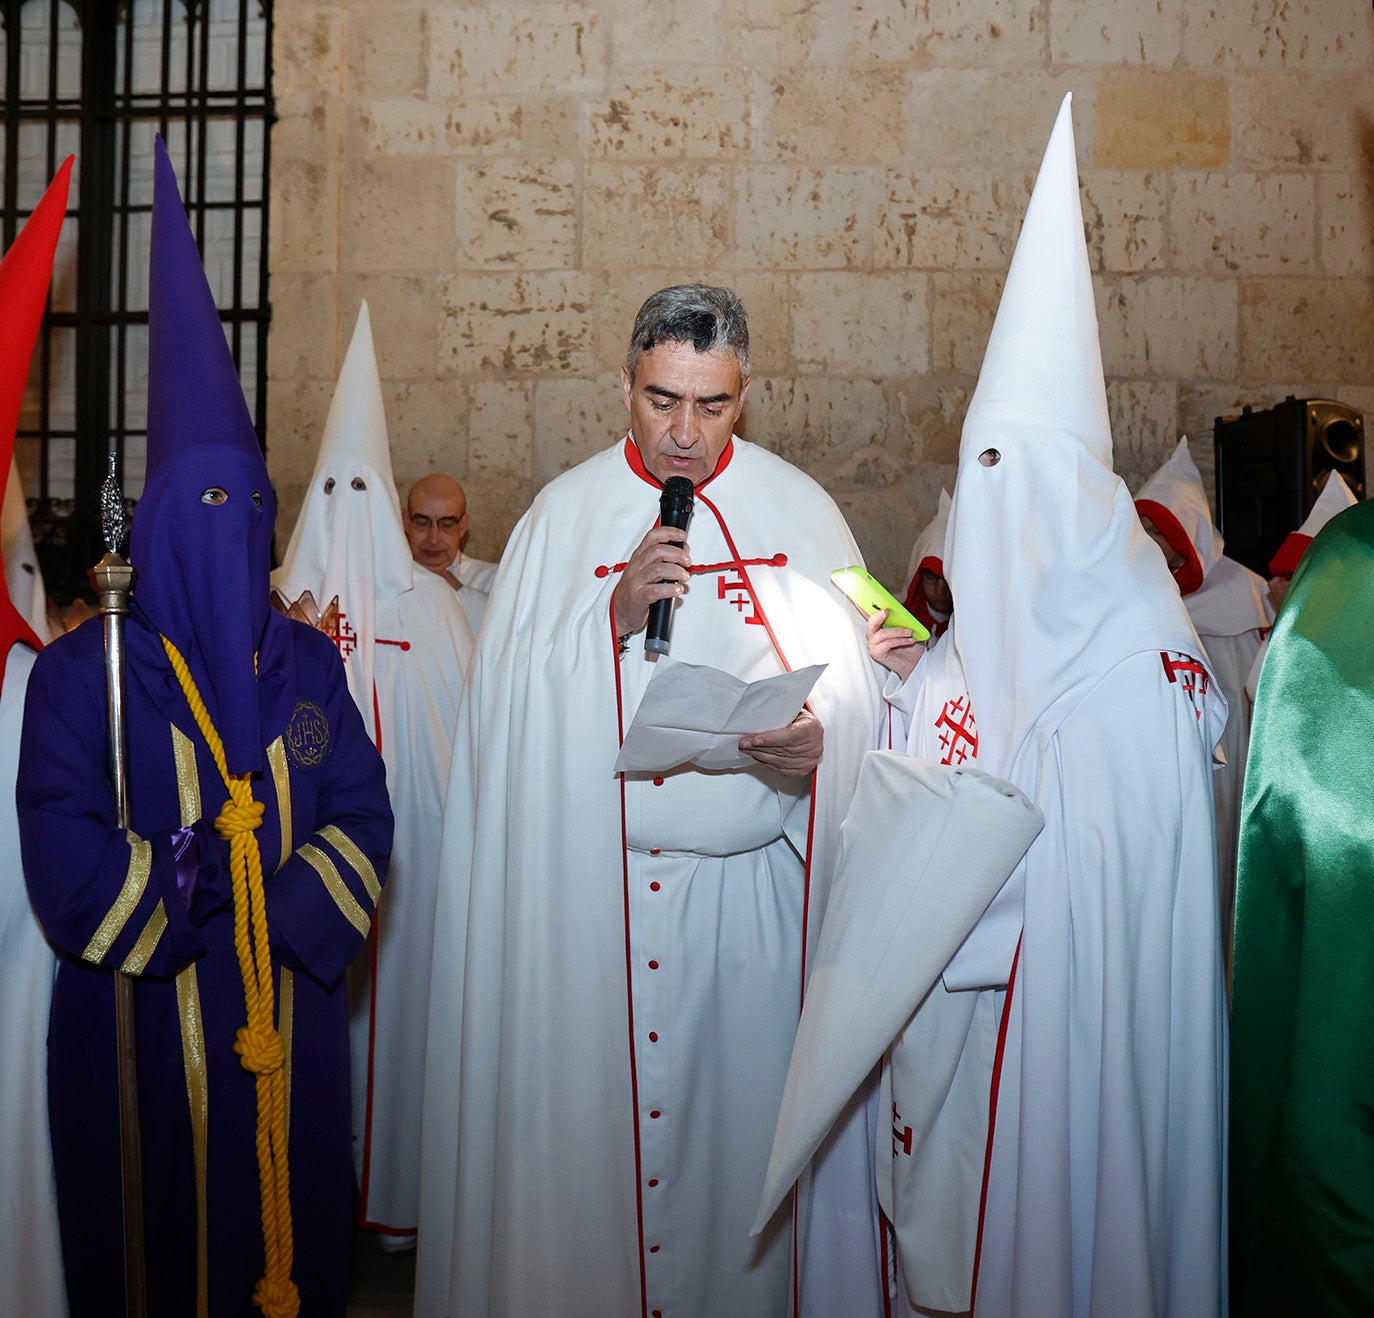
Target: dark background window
point(99, 78)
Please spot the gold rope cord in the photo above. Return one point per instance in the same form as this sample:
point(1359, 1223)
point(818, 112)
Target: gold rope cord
point(259, 1043)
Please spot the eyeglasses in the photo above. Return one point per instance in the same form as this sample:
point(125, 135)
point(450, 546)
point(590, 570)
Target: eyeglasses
point(422, 523)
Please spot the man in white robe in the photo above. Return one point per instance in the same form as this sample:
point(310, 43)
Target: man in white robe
point(437, 526)
point(406, 645)
point(1230, 610)
point(620, 960)
point(31, 1280)
point(1059, 1099)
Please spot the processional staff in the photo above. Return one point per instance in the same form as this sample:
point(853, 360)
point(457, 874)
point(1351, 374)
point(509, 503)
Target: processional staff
point(112, 579)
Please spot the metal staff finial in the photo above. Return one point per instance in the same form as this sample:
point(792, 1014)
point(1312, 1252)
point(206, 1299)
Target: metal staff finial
point(114, 521)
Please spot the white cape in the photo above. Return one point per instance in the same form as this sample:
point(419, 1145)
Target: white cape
point(530, 1198)
point(1116, 1026)
point(30, 1249)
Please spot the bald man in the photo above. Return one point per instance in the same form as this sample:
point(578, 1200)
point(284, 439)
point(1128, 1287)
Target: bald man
point(436, 519)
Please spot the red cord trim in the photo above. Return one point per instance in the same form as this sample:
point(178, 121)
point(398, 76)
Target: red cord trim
point(992, 1123)
point(636, 460)
point(629, 973)
point(777, 560)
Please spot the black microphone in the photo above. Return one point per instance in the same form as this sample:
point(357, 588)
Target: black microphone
point(674, 509)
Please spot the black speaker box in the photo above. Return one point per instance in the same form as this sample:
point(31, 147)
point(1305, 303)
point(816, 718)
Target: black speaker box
point(1270, 467)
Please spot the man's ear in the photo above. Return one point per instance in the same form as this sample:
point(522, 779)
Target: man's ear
point(626, 385)
point(462, 528)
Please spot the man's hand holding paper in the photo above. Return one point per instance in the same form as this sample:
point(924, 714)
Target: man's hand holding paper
point(695, 714)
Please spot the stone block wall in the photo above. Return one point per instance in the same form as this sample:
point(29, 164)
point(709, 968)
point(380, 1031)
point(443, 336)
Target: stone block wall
point(504, 182)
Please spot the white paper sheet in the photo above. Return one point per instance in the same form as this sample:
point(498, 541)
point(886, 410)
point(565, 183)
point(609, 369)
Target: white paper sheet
point(695, 714)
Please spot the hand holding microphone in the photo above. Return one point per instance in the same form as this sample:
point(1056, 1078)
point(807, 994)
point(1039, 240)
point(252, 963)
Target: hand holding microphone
point(656, 573)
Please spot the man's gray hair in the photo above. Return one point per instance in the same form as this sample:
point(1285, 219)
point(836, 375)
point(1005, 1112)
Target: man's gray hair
point(710, 319)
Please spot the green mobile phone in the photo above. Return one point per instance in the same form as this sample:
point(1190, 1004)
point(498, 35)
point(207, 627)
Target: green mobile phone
point(870, 595)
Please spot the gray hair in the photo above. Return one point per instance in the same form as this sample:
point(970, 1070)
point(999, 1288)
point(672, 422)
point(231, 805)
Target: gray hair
point(710, 319)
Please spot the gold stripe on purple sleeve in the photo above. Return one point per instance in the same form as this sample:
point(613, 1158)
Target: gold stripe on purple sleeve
point(281, 779)
point(337, 888)
point(353, 854)
point(137, 960)
point(130, 894)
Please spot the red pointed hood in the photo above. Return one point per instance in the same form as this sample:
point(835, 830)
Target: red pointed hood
point(25, 273)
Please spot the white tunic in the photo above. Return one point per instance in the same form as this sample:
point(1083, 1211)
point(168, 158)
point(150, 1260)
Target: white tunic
point(474, 604)
point(30, 1250)
point(1232, 615)
point(417, 690)
point(618, 970)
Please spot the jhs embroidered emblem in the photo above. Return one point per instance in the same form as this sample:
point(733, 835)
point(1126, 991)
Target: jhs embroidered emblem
point(731, 588)
point(307, 735)
point(958, 732)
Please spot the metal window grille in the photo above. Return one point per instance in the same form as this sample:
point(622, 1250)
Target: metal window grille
point(99, 78)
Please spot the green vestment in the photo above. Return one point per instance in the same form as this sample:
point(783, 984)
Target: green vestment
point(1302, 1032)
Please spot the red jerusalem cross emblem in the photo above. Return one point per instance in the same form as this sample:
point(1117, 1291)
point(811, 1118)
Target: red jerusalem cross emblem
point(730, 587)
point(1191, 677)
point(958, 731)
point(345, 638)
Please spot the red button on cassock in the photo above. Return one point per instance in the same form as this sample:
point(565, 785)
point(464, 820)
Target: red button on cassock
point(653, 1181)
point(653, 1036)
point(655, 886)
point(655, 1114)
point(653, 965)
point(658, 782)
